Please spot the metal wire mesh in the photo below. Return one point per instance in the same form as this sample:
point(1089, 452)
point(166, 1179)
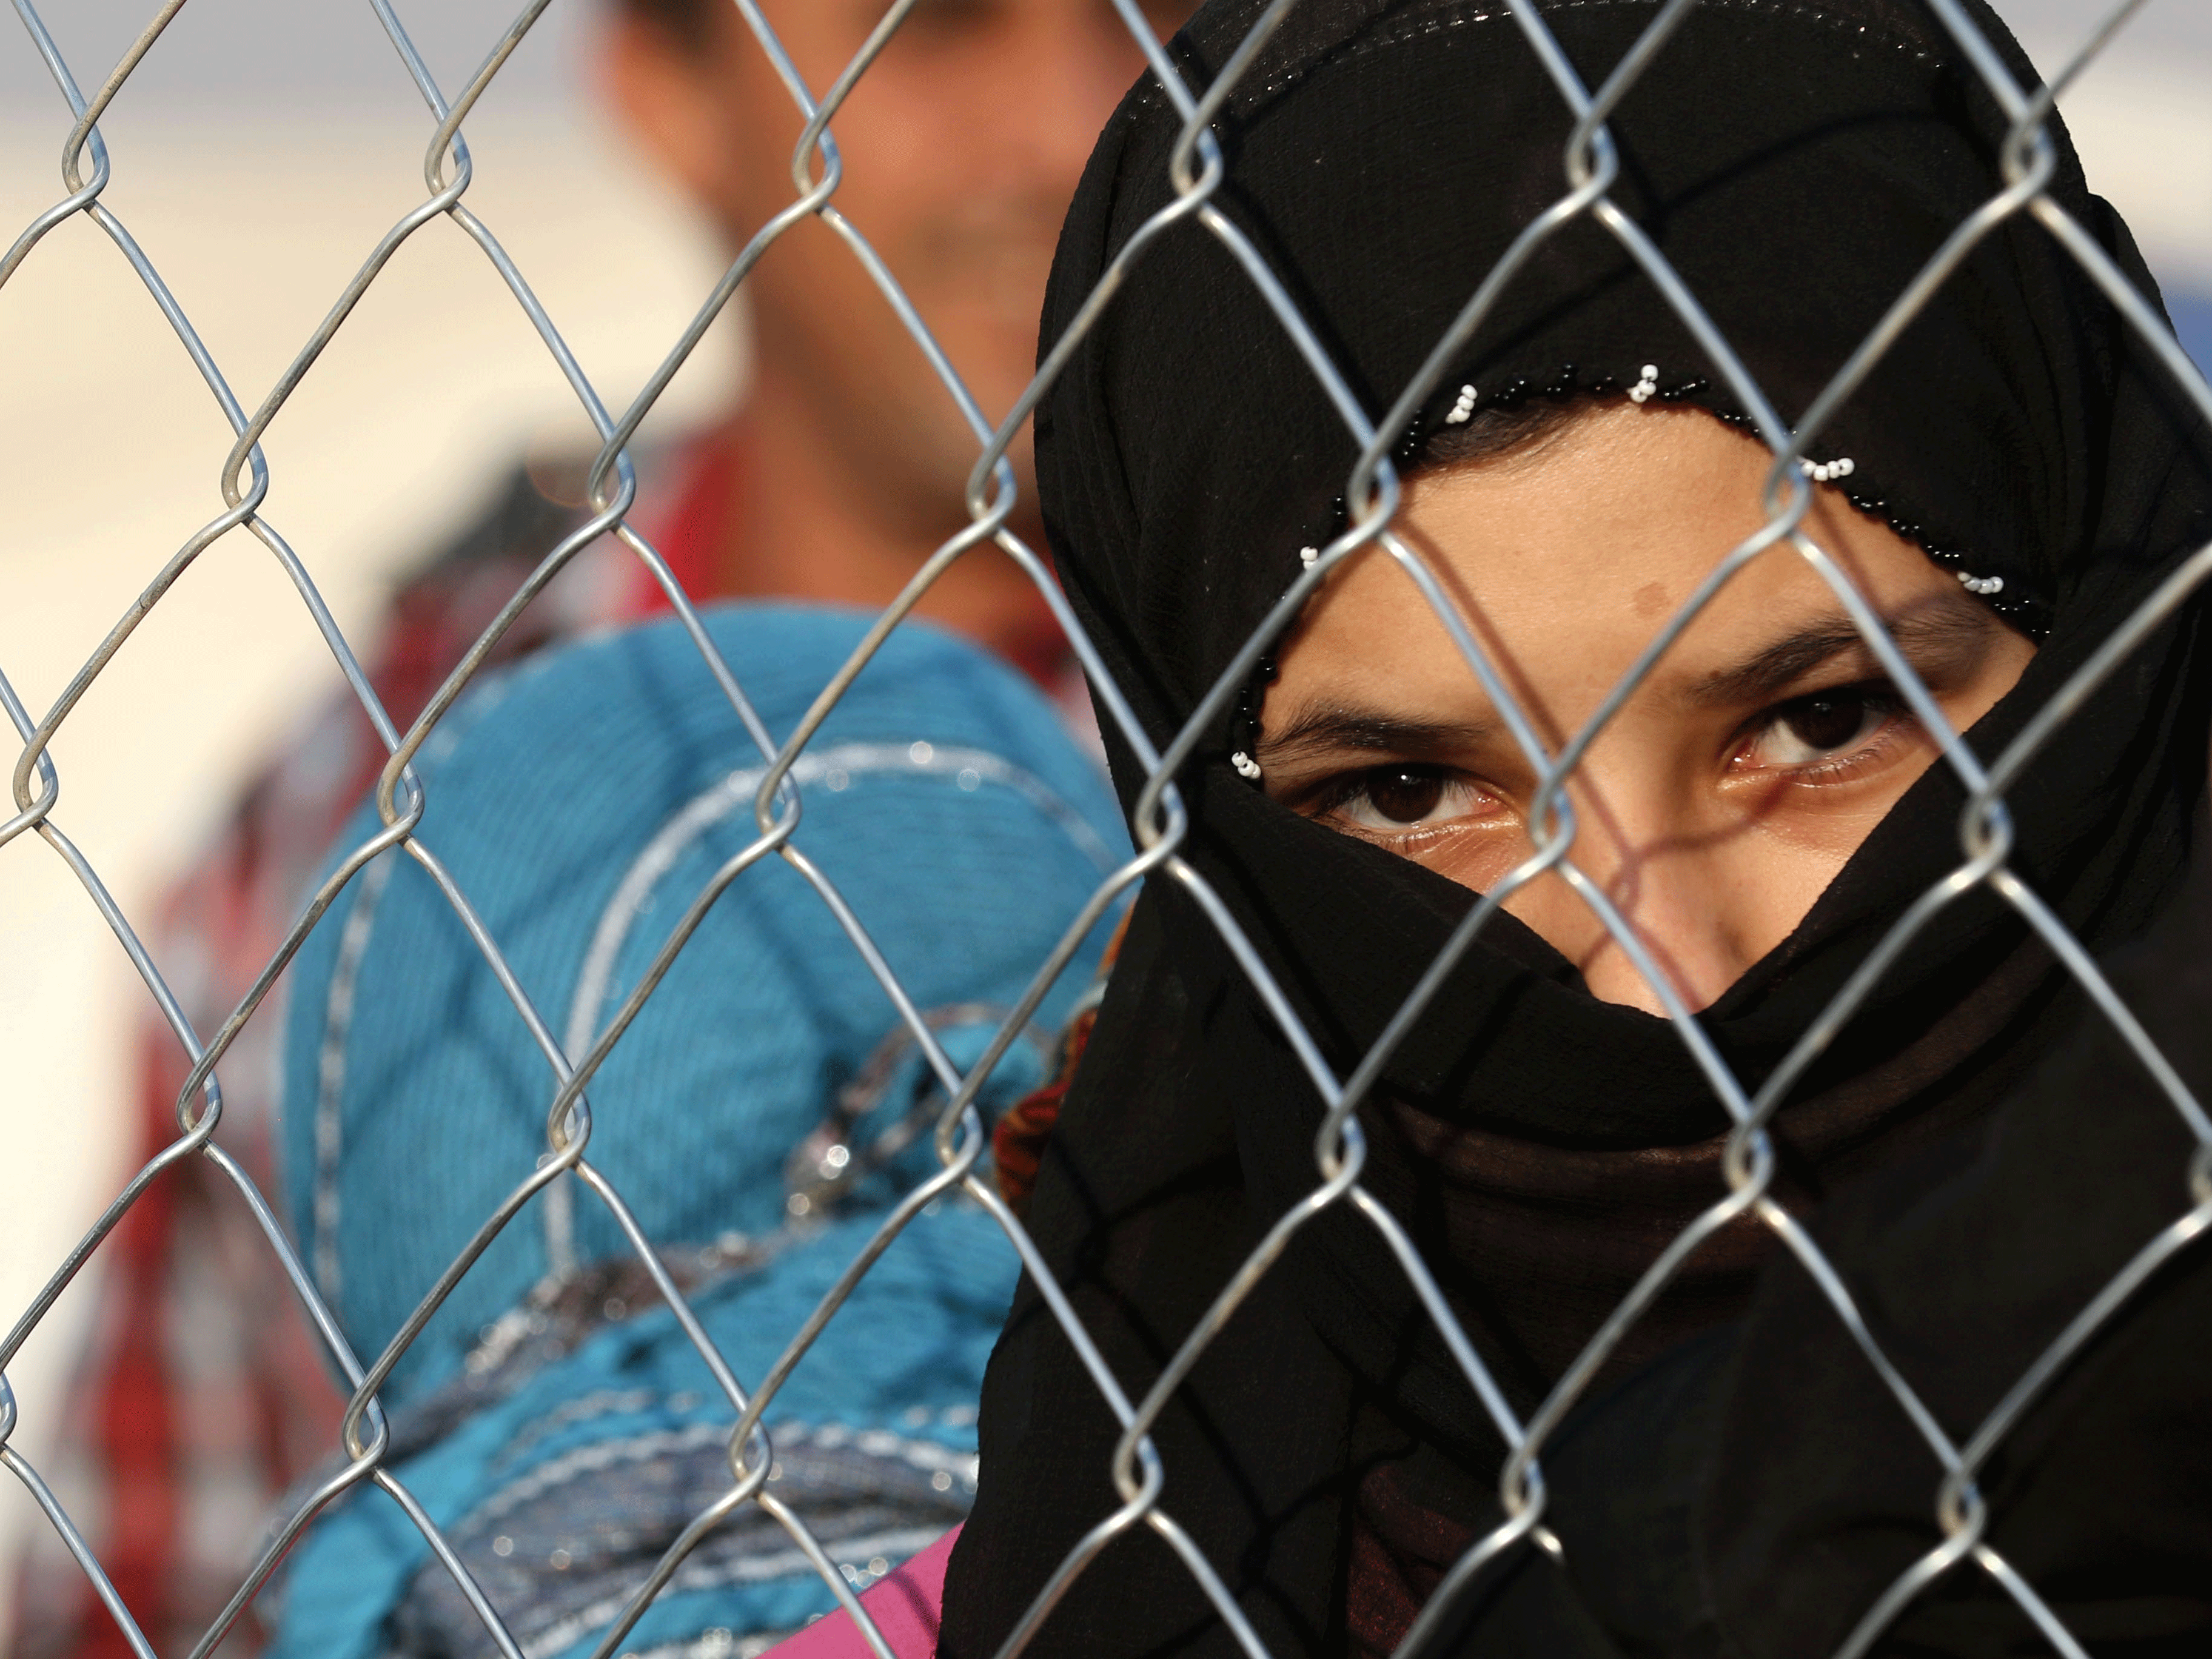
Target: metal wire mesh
point(1198, 171)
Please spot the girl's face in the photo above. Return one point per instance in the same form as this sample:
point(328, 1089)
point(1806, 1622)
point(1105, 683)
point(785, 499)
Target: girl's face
point(1738, 777)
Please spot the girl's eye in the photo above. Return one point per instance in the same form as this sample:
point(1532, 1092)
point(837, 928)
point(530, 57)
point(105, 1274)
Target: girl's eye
point(1401, 796)
point(1810, 730)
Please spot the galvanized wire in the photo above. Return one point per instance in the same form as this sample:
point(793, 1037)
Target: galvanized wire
point(1196, 171)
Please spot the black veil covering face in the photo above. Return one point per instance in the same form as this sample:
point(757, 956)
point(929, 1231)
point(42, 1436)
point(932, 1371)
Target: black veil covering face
point(1797, 161)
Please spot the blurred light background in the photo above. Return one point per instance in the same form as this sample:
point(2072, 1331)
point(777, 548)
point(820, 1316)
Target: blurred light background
point(259, 153)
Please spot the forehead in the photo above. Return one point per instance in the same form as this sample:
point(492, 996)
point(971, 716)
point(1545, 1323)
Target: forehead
point(1567, 559)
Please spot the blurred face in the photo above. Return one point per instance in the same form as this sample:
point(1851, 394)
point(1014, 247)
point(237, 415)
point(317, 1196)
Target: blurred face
point(1739, 776)
point(961, 146)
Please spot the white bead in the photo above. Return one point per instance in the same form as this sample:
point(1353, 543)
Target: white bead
point(1308, 554)
point(1845, 467)
point(1650, 370)
point(1245, 765)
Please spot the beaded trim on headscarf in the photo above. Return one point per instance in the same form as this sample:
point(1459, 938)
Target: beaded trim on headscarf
point(2009, 598)
point(1244, 723)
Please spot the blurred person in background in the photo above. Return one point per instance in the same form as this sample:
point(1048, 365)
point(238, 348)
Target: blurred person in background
point(202, 1394)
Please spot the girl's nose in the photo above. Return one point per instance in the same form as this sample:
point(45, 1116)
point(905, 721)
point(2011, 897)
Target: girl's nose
point(1688, 937)
point(1676, 892)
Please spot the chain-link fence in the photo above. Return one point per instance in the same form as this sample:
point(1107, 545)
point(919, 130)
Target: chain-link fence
point(1590, 171)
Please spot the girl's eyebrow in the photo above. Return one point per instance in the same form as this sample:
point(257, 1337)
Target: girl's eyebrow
point(1332, 730)
point(1949, 634)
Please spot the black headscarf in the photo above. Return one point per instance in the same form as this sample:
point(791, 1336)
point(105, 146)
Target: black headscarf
point(1797, 161)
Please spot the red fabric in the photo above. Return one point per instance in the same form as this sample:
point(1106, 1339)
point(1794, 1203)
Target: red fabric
point(906, 1607)
point(138, 1421)
point(1402, 1548)
point(689, 540)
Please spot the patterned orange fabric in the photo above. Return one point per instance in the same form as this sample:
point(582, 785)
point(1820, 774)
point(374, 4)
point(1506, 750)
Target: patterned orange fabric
point(1017, 1141)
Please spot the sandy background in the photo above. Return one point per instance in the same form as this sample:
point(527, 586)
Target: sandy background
point(262, 149)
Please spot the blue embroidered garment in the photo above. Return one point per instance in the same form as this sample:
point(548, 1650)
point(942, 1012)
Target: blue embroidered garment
point(759, 1118)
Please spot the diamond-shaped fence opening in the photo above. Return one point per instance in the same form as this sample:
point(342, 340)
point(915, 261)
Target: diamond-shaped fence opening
point(761, 813)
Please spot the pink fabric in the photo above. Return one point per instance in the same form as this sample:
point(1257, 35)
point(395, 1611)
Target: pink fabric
point(906, 1607)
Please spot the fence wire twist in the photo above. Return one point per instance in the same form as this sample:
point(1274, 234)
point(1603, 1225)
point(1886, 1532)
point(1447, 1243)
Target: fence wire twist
point(1197, 169)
